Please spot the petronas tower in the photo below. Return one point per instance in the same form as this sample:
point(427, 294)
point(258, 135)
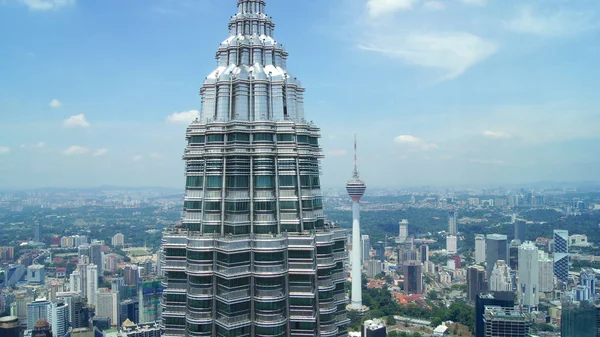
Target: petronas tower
point(253, 254)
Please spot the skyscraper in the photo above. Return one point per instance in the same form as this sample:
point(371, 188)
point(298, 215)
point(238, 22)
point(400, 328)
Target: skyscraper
point(502, 299)
point(561, 255)
point(365, 247)
point(529, 277)
point(424, 249)
point(413, 277)
point(510, 322)
point(451, 244)
point(10, 327)
point(403, 231)
point(587, 281)
point(37, 310)
point(108, 305)
point(500, 280)
point(496, 248)
point(118, 240)
point(475, 282)
point(479, 248)
point(92, 283)
point(253, 255)
point(452, 224)
point(37, 232)
point(578, 320)
point(96, 256)
point(58, 316)
point(546, 272)
point(520, 228)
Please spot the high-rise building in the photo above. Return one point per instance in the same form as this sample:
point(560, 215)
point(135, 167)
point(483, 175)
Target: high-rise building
point(520, 230)
point(36, 310)
point(92, 283)
point(475, 282)
point(253, 254)
point(452, 222)
point(403, 233)
point(479, 248)
point(365, 247)
point(36, 274)
point(10, 326)
point(75, 282)
point(373, 268)
point(107, 305)
point(579, 319)
point(373, 328)
point(496, 248)
point(587, 280)
point(513, 254)
point(424, 250)
point(509, 322)
point(451, 244)
point(561, 255)
point(97, 256)
point(37, 232)
point(130, 310)
point(118, 240)
point(380, 251)
point(546, 273)
point(529, 277)
point(58, 316)
point(502, 299)
point(413, 277)
point(500, 280)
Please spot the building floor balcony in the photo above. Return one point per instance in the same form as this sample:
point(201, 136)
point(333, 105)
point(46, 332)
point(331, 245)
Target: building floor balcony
point(328, 330)
point(199, 317)
point(277, 269)
point(232, 271)
point(233, 295)
point(199, 334)
point(199, 292)
point(302, 333)
point(269, 318)
point(327, 307)
point(172, 332)
point(271, 294)
point(199, 269)
point(303, 314)
point(237, 321)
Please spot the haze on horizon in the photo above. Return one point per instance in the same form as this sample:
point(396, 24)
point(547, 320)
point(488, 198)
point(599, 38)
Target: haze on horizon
point(440, 93)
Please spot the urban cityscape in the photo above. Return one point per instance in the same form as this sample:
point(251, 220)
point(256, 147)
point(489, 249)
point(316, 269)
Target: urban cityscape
point(256, 242)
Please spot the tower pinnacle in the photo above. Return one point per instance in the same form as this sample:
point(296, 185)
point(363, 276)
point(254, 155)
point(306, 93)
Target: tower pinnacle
point(356, 175)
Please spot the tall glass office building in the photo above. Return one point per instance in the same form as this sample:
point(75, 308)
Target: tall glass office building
point(253, 254)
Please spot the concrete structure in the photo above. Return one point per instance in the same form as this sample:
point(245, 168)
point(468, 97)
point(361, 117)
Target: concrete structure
point(108, 305)
point(253, 254)
point(42, 329)
point(92, 283)
point(529, 277)
point(365, 248)
point(37, 310)
point(118, 240)
point(578, 320)
point(479, 248)
point(502, 299)
point(373, 328)
point(97, 256)
point(58, 316)
point(546, 272)
point(561, 255)
point(13, 274)
point(10, 326)
point(578, 240)
point(452, 222)
point(356, 189)
point(373, 268)
point(403, 231)
point(520, 230)
point(500, 280)
point(129, 310)
point(506, 322)
point(36, 274)
point(587, 280)
point(37, 232)
point(451, 244)
point(513, 254)
point(496, 248)
point(413, 277)
point(476, 282)
point(424, 253)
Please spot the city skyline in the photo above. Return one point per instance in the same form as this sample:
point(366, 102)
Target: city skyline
point(111, 107)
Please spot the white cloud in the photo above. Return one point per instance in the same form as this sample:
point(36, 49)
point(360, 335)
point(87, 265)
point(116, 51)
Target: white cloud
point(488, 162)
point(474, 2)
point(76, 150)
point(495, 134)
point(452, 53)
point(185, 117)
point(44, 5)
point(4, 150)
point(76, 121)
point(559, 23)
point(381, 7)
point(137, 158)
point(55, 104)
point(337, 153)
point(434, 5)
point(414, 143)
point(38, 145)
point(100, 152)
point(155, 156)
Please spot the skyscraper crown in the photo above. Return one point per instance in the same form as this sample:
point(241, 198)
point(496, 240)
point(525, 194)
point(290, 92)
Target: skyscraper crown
point(251, 82)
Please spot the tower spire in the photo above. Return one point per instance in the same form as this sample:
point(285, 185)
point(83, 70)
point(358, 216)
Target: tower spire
point(355, 175)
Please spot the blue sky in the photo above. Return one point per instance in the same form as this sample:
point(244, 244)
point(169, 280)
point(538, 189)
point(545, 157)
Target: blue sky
point(453, 92)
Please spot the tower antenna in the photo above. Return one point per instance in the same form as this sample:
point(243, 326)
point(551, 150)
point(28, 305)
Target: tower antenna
point(355, 175)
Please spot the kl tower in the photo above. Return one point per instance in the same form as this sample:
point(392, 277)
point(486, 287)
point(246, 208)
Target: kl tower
point(356, 189)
